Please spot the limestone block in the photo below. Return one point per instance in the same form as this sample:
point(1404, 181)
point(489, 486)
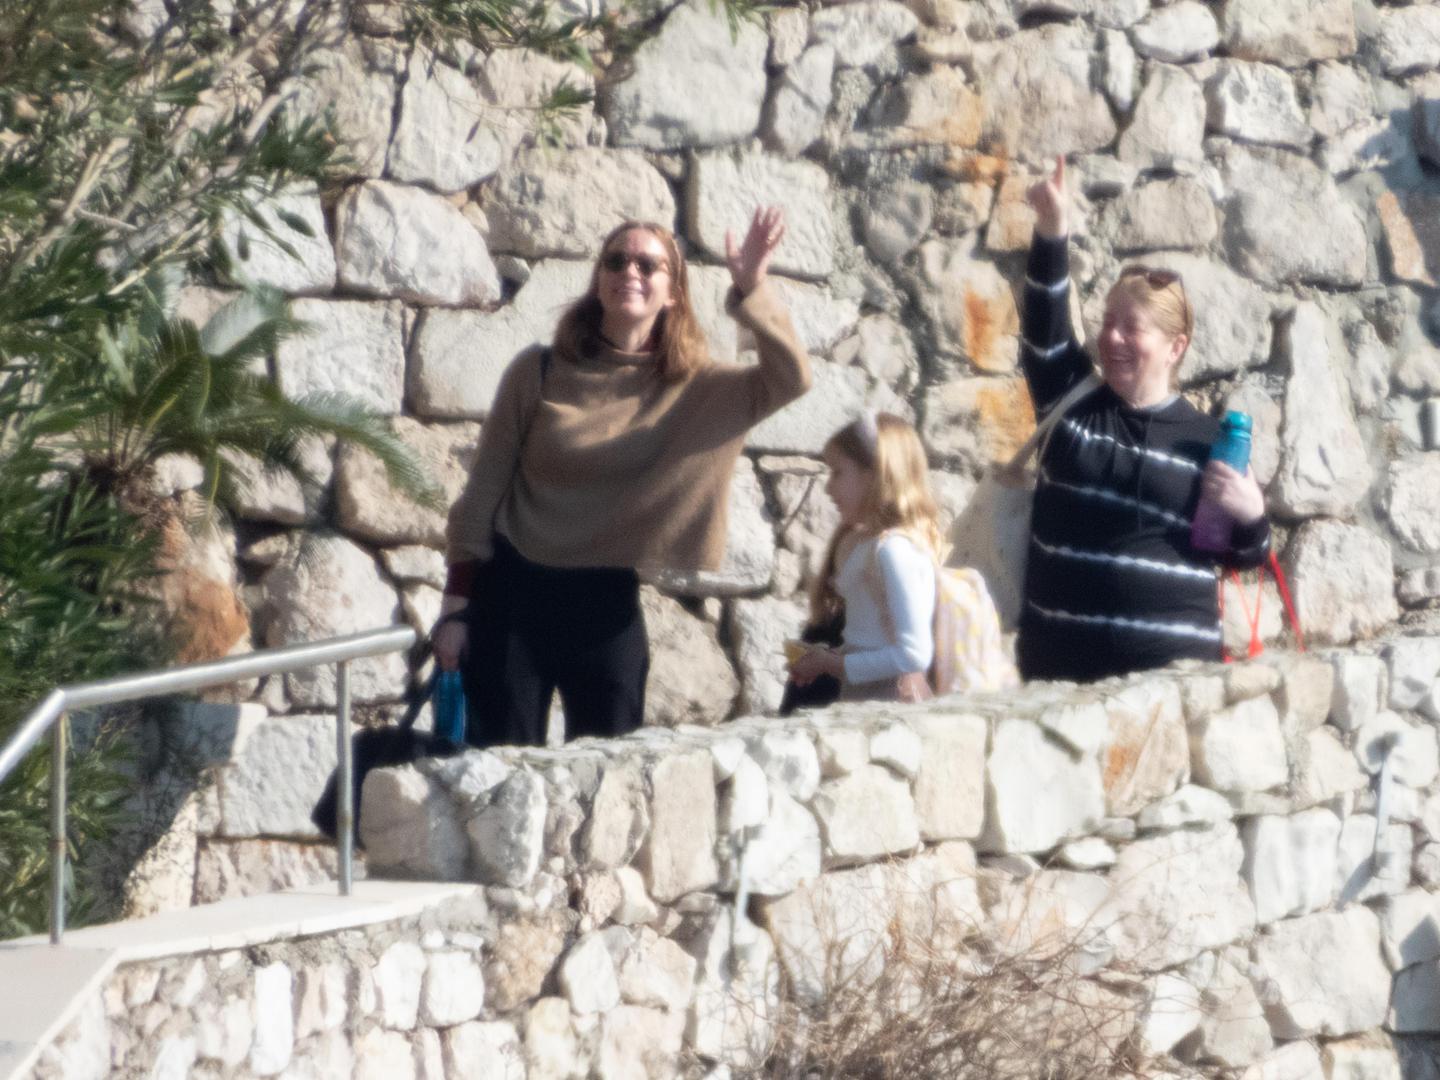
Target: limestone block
point(360, 97)
point(1037, 793)
point(820, 317)
point(1325, 467)
point(950, 787)
point(1256, 103)
point(348, 346)
point(896, 220)
point(1293, 1061)
point(678, 855)
point(1413, 752)
point(1175, 213)
point(409, 825)
point(549, 204)
point(1232, 325)
point(898, 748)
point(1118, 14)
point(1296, 961)
point(262, 495)
point(1177, 33)
point(321, 998)
point(1366, 1057)
point(587, 976)
point(415, 563)
point(725, 188)
point(1188, 806)
point(971, 304)
point(860, 33)
point(694, 83)
point(258, 258)
point(1051, 914)
point(1368, 145)
point(1410, 504)
point(1168, 123)
point(843, 750)
point(1240, 748)
point(797, 108)
point(274, 1039)
point(175, 1057)
point(736, 995)
point(691, 680)
point(977, 422)
point(1416, 587)
point(368, 506)
point(453, 990)
point(459, 357)
point(483, 1051)
point(785, 850)
point(1289, 32)
point(1091, 853)
point(1147, 753)
point(1359, 874)
point(789, 31)
point(278, 773)
point(788, 760)
point(759, 629)
point(865, 815)
point(224, 869)
point(507, 837)
point(1409, 928)
point(934, 107)
point(1176, 895)
point(1342, 578)
point(1120, 67)
point(656, 973)
point(1172, 1011)
point(638, 1043)
point(405, 243)
point(1307, 690)
point(1413, 666)
point(384, 1055)
point(1407, 39)
point(1416, 1004)
point(1038, 96)
point(1324, 769)
point(224, 1031)
point(1278, 196)
point(1341, 97)
point(749, 563)
point(1233, 1031)
point(1289, 863)
point(745, 803)
point(618, 819)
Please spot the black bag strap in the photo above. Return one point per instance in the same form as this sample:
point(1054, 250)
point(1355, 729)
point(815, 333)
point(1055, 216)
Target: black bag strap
point(417, 690)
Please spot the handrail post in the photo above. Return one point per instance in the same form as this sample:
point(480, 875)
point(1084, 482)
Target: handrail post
point(345, 802)
point(57, 828)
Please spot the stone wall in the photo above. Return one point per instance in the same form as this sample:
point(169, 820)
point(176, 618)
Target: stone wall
point(1281, 155)
point(1198, 849)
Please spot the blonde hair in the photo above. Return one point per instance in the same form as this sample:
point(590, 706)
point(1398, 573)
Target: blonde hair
point(1162, 294)
point(899, 498)
point(680, 349)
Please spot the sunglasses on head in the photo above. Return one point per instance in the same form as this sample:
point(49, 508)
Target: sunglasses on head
point(1155, 277)
point(617, 261)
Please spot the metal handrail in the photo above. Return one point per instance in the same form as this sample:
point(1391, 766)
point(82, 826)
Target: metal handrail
point(338, 651)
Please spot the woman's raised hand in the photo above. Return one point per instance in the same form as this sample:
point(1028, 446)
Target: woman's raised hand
point(750, 260)
point(1050, 202)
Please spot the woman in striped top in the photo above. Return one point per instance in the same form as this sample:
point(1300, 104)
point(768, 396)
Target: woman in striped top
point(1112, 583)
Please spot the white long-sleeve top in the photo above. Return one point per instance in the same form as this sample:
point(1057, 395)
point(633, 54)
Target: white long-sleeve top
point(907, 572)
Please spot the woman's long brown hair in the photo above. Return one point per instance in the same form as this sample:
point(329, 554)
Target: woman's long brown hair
point(680, 347)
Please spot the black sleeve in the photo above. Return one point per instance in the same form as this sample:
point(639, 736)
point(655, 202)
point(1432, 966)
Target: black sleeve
point(1051, 357)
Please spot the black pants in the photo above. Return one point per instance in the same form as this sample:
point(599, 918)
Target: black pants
point(537, 629)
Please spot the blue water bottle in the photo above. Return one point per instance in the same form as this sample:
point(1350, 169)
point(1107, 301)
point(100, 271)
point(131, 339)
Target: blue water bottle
point(1211, 528)
point(447, 701)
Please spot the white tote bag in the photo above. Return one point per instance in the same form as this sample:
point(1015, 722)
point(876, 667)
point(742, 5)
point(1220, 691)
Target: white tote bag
point(992, 534)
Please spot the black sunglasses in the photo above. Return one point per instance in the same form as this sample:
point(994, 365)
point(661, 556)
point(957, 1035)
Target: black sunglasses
point(617, 261)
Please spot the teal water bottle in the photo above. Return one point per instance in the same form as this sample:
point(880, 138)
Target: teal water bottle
point(1211, 528)
point(447, 701)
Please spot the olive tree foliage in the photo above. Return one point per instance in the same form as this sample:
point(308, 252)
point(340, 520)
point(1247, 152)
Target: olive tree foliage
point(129, 130)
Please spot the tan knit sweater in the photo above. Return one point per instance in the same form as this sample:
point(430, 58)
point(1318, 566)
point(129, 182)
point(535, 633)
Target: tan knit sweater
point(612, 467)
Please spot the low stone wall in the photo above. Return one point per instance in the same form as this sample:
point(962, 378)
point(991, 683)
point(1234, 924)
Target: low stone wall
point(1196, 850)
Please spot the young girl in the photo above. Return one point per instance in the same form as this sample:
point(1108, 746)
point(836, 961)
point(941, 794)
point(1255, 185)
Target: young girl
point(880, 569)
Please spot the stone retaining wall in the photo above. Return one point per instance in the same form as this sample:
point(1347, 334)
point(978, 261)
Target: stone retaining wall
point(1200, 845)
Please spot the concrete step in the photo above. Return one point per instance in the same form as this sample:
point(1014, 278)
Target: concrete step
point(42, 986)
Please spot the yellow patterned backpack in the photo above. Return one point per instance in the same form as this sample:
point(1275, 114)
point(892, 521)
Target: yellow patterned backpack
point(969, 649)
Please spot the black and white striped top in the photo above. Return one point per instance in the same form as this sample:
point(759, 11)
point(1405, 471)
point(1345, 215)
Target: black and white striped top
point(1112, 583)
